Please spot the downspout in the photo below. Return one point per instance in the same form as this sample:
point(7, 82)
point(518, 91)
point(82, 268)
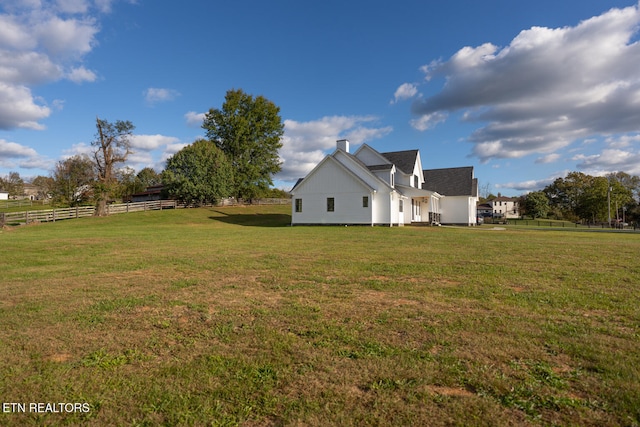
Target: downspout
point(371, 210)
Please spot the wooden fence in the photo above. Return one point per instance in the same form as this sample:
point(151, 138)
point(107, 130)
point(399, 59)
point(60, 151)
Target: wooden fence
point(52, 215)
point(6, 204)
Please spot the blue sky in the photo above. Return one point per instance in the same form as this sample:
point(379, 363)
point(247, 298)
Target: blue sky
point(523, 91)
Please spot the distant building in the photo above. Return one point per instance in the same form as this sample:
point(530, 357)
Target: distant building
point(485, 210)
point(30, 192)
point(4, 195)
point(153, 192)
point(504, 207)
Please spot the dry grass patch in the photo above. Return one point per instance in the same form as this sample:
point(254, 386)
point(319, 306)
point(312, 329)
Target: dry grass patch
point(206, 317)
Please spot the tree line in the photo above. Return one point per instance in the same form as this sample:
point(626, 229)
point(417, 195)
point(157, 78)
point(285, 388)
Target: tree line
point(237, 158)
point(584, 198)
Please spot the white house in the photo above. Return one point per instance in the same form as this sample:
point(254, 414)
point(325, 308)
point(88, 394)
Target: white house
point(372, 188)
point(506, 207)
point(460, 189)
point(4, 195)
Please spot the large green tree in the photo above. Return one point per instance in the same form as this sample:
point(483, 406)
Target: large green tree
point(148, 177)
point(73, 180)
point(198, 174)
point(536, 204)
point(112, 145)
point(590, 198)
point(248, 130)
point(12, 184)
point(566, 194)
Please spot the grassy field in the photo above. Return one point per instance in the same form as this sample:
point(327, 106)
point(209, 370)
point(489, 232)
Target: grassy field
point(227, 316)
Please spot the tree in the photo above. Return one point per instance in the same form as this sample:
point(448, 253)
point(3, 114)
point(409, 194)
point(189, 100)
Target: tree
point(630, 182)
point(248, 130)
point(127, 183)
point(12, 184)
point(587, 197)
point(566, 194)
point(198, 174)
point(112, 146)
point(485, 192)
point(45, 186)
point(148, 177)
point(536, 204)
point(73, 180)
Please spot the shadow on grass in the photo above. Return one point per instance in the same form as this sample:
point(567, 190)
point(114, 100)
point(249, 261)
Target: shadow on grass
point(253, 219)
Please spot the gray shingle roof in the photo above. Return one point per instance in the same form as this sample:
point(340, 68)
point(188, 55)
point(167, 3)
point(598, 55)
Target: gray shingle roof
point(404, 160)
point(386, 167)
point(451, 181)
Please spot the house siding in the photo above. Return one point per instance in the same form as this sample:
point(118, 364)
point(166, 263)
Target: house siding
point(347, 195)
point(458, 210)
point(369, 157)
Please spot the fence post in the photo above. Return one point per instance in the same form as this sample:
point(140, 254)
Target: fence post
point(76, 212)
point(1, 219)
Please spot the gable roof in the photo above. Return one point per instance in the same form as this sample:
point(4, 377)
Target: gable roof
point(332, 158)
point(386, 167)
point(451, 181)
point(503, 199)
point(296, 184)
point(360, 164)
point(404, 160)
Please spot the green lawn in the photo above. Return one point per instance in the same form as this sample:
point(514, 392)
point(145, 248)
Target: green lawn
point(227, 316)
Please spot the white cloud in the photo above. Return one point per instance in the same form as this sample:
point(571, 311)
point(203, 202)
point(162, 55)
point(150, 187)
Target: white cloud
point(194, 119)
point(14, 150)
point(610, 160)
point(81, 74)
point(151, 142)
point(66, 38)
point(549, 158)
point(623, 141)
point(72, 6)
point(428, 121)
point(532, 185)
point(305, 144)
point(13, 154)
point(42, 42)
point(80, 148)
point(526, 102)
point(104, 6)
point(154, 95)
point(27, 68)
point(405, 91)
point(18, 108)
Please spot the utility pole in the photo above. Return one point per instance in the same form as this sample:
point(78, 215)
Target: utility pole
point(609, 201)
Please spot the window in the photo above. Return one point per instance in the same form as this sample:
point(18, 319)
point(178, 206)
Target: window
point(330, 204)
point(400, 206)
point(298, 205)
point(415, 181)
point(392, 179)
point(365, 201)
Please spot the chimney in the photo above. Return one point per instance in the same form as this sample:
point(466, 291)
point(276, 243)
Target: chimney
point(343, 144)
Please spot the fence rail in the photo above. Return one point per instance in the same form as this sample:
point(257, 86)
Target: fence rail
point(18, 203)
point(52, 215)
